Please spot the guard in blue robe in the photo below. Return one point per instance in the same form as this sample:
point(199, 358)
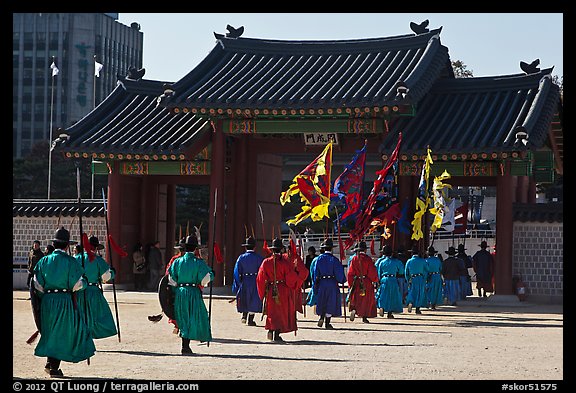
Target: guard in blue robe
point(326, 272)
point(244, 285)
point(416, 272)
point(389, 297)
point(434, 282)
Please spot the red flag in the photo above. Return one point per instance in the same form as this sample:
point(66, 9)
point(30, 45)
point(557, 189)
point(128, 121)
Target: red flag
point(117, 249)
point(89, 248)
point(365, 216)
point(266, 249)
point(218, 253)
point(293, 249)
point(461, 219)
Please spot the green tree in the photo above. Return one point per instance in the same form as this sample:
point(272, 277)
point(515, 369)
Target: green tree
point(461, 70)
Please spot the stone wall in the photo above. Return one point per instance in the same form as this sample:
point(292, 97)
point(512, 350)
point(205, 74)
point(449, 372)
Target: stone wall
point(538, 259)
point(27, 229)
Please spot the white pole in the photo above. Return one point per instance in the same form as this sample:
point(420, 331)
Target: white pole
point(50, 140)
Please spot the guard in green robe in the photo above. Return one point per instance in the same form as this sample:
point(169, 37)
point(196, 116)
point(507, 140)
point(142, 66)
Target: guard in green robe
point(64, 333)
point(98, 314)
point(188, 275)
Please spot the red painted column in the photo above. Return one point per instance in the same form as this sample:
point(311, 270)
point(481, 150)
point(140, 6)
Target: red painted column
point(170, 222)
point(522, 189)
point(114, 194)
point(504, 198)
point(217, 185)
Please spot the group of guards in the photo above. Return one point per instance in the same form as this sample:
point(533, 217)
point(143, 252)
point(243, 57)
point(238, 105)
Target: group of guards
point(74, 311)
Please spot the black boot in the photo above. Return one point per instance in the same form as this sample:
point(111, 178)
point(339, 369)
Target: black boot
point(186, 350)
point(390, 315)
point(54, 365)
point(277, 337)
point(418, 310)
point(244, 315)
point(365, 320)
point(251, 320)
point(479, 293)
point(321, 321)
point(270, 335)
point(328, 325)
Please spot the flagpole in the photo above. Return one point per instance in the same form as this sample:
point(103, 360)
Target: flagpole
point(50, 138)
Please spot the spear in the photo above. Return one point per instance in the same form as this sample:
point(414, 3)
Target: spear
point(109, 255)
point(212, 259)
point(81, 233)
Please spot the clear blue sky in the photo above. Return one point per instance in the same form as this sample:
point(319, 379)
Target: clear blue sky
point(488, 43)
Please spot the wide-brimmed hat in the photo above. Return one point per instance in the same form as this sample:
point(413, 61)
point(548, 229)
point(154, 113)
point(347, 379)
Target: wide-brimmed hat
point(431, 250)
point(62, 235)
point(93, 240)
point(277, 244)
point(387, 249)
point(180, 244)
point(191, 241)
point(361, 246)
point(483, 244)
point(249, 242)
point(451, 250)
point(415, 249)
point(461, 247)
point(327, 243)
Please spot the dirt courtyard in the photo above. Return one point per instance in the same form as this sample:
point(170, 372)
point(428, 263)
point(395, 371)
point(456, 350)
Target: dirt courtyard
point(471, 341)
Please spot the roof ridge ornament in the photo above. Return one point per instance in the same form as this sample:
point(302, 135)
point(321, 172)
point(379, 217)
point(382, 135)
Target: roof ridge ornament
point(420, 28)
point(135, 74)
point(234, 32)
point(531, 68)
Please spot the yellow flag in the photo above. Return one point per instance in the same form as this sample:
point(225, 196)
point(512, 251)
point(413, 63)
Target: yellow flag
point(439, 192)
point(423, 199)
point(313, 186)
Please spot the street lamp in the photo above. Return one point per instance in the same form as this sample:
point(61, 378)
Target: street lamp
point(61, 138)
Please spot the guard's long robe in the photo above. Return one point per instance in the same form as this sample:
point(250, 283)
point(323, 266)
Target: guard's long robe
point(64, 333)
point(174, 257)
point(325, 292)
point(280, 315)
point(483, 264)
point(389, 293)
point(98, 314)
point(189, 308)
point(434, 283)
point(302, 272)
point(362, 272)
point(244, 284)
point(415, 272)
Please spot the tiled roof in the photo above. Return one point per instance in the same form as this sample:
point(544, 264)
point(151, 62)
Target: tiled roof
point(477, 115)
point(129, 121)
point(258, 73)
point(56, 208)
point(538, 212)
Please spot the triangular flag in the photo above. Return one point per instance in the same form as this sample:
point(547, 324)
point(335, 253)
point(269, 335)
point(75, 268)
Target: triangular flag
point(55, 70)
point(97, 68)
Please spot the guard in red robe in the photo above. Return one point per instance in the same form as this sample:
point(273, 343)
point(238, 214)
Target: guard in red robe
point(302, 271)
point(362, 277)
point(277, 281)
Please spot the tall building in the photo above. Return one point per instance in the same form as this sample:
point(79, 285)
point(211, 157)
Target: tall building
point(74, 42)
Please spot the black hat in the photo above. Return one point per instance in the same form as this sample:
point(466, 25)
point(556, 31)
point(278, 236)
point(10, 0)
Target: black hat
point(250, 242)
point(36, 241)
point(361, 246)
point(415, 249)
point(387, 249)
point(277, 244)
point(431, 250)
point(461, 247)
point(94, 242)
point(191, 241)
point(62, 235)
point(328, 243)
point(483, 244)
point(451, 251)
point(180, 244)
